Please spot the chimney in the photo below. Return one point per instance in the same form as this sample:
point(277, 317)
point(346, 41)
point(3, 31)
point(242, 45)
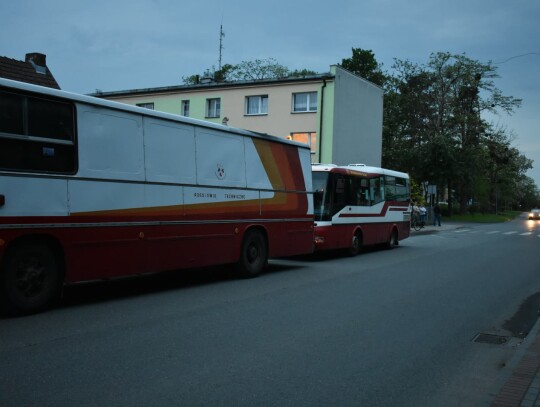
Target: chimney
point(38, 61)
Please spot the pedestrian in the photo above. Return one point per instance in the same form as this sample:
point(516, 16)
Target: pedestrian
point(415, 212)
point(437, 215)
point(423, 213)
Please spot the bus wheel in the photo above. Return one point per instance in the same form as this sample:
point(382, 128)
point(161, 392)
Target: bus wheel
point(254, 254)
point(393, 241)
point(30, 280)
point(356, 244)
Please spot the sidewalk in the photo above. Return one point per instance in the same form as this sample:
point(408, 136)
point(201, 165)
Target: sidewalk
point(429, 228)
point(522, 388)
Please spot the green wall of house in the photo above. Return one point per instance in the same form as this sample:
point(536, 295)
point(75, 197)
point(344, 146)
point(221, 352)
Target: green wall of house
point(326, 133)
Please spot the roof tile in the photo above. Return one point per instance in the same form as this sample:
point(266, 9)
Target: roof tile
point(25, 72)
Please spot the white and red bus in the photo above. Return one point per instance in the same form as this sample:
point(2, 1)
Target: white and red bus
point(358, 205)
point(92, 189)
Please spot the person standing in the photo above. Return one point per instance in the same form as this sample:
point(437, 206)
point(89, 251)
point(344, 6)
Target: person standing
point(415, 212)
point(423, 213)
point(437, 215)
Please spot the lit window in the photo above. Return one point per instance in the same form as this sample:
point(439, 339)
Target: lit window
point(213, 107)
point(256, 105)
point(305, 102)
point(185, 108)
point(146, 105)
point(309, 138)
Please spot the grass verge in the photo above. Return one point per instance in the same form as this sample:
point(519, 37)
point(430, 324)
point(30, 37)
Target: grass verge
point(483, 218)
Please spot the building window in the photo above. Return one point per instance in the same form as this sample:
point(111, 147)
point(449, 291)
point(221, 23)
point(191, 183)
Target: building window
point(185, 108)
point(309, 138)
point(213, 107)
point(305, 102)
point(146, 105)
point(256, 105)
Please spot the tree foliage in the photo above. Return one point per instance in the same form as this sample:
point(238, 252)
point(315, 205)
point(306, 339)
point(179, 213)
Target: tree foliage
point(434, 129)
point(257, 69)
point(363, 63)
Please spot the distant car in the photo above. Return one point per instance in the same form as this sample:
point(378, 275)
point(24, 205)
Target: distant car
point(534, 214)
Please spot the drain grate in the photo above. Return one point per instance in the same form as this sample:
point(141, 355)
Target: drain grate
point(491, 339)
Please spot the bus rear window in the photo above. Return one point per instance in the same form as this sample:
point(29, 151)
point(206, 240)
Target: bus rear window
point(11, 113)
point(36, 134)
point(48, 119)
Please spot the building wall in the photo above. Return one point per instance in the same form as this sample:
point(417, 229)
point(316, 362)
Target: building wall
point(280, 120)
point(326, 124)
point(357, 121)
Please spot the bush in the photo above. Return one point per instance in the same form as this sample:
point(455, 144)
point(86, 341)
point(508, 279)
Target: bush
point(473, 209)
point(444, 209)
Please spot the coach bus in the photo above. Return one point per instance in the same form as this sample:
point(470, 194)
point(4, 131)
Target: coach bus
point(92, 189)
point(357, 205)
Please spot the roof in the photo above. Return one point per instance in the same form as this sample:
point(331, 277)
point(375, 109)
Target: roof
point(26, 71)
point(215, 85)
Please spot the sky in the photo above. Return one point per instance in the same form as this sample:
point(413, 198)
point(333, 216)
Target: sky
point(130, 44)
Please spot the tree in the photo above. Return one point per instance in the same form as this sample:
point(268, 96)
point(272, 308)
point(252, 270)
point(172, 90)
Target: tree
point(528, 194)
point(258, 69)
point(300, 73)
point(363, 63)
point(433, 125)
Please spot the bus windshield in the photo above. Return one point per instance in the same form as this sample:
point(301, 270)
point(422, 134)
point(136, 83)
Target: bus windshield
point(321, 195)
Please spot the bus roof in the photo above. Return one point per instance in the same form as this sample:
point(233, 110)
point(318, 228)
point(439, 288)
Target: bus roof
point(359, 168)
point(90, 100)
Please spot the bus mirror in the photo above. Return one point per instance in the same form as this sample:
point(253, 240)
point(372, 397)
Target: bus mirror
point(2, 200)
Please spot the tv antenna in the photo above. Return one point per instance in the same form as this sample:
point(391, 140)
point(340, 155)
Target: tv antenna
point(221, 36)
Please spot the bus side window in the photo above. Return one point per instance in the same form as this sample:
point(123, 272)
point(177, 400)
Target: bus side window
point(354, 195)
point(376, 190)
point(363, 190)
point(390, 187)
point(340, 194)
point(402, 189)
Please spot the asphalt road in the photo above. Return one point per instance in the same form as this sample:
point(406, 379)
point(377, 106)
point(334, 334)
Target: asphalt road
point(386, 328)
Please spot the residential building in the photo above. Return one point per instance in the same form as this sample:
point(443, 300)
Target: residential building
point(32, 70)
point(338, 113)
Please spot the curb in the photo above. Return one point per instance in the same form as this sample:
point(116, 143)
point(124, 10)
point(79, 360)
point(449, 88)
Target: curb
point(517, 390)
point(430, 229)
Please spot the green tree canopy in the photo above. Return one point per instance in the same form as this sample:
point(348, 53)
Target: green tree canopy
point(434, 128)
point(363, 63)
point(256, 69)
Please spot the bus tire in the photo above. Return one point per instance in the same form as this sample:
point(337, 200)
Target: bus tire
point(253, 255)
point(393, 240)
point(30, 278)
point(356, 244)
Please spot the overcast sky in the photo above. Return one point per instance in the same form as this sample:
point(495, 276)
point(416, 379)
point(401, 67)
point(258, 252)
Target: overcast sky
point(127, 44)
